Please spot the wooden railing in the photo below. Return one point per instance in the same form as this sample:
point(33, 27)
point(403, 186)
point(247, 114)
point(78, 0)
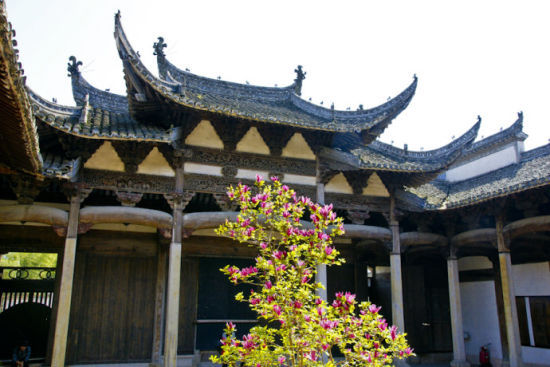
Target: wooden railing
point(20, 285)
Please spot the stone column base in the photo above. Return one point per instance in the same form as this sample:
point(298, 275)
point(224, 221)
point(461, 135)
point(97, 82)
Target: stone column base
point(455, 363)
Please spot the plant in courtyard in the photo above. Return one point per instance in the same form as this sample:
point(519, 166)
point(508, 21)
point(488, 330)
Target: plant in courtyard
point(299, 328)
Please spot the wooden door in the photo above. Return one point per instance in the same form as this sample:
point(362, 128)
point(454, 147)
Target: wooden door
point(426, 303)
point(112, 309)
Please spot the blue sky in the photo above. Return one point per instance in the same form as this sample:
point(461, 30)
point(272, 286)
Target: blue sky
point(472, 57)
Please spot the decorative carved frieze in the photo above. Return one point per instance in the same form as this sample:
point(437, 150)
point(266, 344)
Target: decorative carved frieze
point(229, 171)
point(137, 183)
point(115, 181)
point(132, 153)
point(251, 161)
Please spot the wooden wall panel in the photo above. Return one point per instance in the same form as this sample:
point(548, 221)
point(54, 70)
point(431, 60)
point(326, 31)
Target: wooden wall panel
point(188, 305)
point(112, 309)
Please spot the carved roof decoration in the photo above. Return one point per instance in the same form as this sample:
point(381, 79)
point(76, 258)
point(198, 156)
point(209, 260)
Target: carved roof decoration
point(96, 123)
point(533, 170)
point(511, 134)
point(262, 104)
point(83, 90)
point(384, 157)
point(19, 149)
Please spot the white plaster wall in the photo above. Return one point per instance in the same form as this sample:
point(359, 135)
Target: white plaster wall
point(532, 279)
point(251, 174)
point(536, 356)
point(480, 319)
point(489, 163)
point(299, 179)
point(202, 169)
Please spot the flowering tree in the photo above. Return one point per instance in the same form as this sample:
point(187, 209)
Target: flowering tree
point(300, 328)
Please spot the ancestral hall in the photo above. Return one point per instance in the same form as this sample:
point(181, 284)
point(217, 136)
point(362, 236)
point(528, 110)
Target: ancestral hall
point(127, 189)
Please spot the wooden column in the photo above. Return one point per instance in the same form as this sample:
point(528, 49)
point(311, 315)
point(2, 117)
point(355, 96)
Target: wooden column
point(395, 266)
point(160, 291)
point(174, 270)
point(321, 268)
point(459, 351)
point(508, 296)
point(66, 287)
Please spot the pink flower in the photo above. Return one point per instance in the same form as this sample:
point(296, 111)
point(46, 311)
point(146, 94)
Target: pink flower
point(259, 178)
point(277, 309)
point(231, 195)
point(374, 309)
point(307, 318)
point(328, 250)
point(393, 332)
point(254, 301)
point(268, 284)
point(281, 359)
point(263, 245)
point(298, 304)
point(320, 311)
point(323, 236)
point(274, 178)
point(311, 355)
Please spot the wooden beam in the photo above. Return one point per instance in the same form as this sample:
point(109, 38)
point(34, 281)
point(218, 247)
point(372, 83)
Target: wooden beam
point(528, 225)
point(34, 213)
point(474, 236)
point(123, 214)
point(422, 238)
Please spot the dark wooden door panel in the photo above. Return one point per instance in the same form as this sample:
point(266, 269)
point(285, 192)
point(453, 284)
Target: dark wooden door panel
point(112, 309)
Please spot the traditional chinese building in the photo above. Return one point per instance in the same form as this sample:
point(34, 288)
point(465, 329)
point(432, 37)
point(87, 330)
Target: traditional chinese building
point(452, 242)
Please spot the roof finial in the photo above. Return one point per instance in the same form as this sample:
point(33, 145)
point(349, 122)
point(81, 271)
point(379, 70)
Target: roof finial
point(117, 15)
point(72, 66)
point(300, 76)
point(520, 115)
point(159, 47)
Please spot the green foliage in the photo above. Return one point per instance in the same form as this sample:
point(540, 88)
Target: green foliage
point(283, 278)
point(29, 259)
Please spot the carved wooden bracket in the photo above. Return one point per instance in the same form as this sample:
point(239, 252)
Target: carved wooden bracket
point(132, 153)
point(71, 189)
point(225, 203)
point(165, 232)
point(358, 216)
point(179, 199)
point(276, 138)
point(129, 198)
point(357, 180)
point(26, 188)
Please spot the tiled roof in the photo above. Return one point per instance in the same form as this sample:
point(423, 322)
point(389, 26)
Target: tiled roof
point(532, 171)
point(263, 104)
point(513, 133)
point(96, 123)
point(82, 90)
point(385, 157)
point(60, 167)
point(19, 149)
